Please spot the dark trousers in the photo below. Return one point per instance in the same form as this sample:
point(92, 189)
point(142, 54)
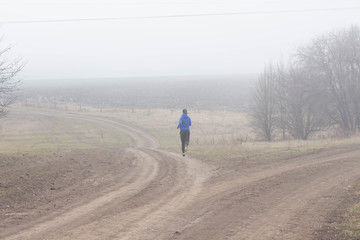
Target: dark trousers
point(185, 139)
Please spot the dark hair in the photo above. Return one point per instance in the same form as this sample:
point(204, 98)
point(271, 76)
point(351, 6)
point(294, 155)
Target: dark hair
point(185, 111)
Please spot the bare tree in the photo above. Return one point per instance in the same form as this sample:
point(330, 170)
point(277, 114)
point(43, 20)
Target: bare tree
point(8, 81)
point(306, 105)
point(336, 59)
point(264, 103)
point(290, 100)
point(281, 90)
point(321, 87)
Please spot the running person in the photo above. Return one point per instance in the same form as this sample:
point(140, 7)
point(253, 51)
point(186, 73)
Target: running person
point(184, 125)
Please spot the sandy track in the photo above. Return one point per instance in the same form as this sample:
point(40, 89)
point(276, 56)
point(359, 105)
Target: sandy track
point(166, 196)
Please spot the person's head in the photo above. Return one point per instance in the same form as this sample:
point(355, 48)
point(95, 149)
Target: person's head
point(184, 111)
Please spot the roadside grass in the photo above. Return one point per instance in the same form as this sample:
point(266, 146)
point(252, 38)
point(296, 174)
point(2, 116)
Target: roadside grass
point(254, 152)
point(347, 225)
point(351, 223)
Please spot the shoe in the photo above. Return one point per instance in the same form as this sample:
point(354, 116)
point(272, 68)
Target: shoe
point(183, 154)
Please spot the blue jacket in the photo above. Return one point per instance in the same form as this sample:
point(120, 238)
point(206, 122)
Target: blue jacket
point(184, 122)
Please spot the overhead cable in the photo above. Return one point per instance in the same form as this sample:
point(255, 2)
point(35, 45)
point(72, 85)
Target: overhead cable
point(180, 15)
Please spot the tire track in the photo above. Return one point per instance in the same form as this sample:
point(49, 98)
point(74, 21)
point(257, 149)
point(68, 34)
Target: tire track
point(145, 169)
point(279, 205)
point(282, 219)
point(158, 218)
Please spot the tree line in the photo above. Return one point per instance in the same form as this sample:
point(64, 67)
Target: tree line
point(317, 89)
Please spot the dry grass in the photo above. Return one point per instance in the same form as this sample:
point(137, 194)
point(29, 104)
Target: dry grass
point(347, 226)
point(222, 131)
point(20, 132)
point(211, 131)
point(351, 224)
point(208, 127)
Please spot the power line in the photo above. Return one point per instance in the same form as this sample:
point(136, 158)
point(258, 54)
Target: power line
point(181, 15)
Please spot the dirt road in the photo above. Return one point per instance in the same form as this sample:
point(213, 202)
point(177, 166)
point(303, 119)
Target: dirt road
point(161, 195)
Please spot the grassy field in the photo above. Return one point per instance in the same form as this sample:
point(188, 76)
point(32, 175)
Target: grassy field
point(20, 132)
point(213, 133)
point(217, 133)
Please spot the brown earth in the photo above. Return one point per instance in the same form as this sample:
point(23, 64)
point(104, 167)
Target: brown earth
point(144, 192)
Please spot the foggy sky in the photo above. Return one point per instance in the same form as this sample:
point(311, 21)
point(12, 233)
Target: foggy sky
point(156, 38)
